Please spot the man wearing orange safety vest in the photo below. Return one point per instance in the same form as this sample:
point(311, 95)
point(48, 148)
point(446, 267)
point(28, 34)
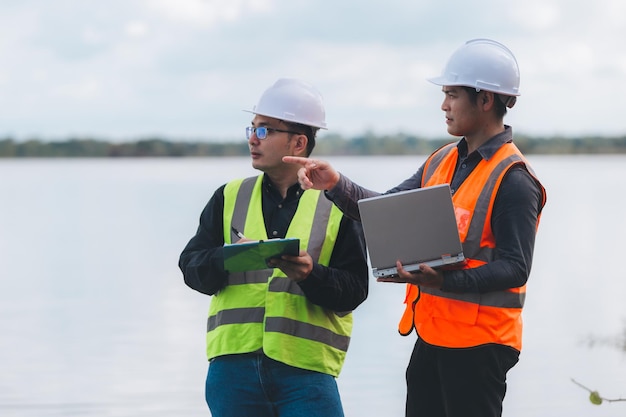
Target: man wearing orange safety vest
point(468, 319)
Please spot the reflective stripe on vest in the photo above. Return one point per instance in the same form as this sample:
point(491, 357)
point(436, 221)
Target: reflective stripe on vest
point(264, 309)
point(469, 319)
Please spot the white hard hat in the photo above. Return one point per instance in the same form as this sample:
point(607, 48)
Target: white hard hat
point(483, 64)
point(292, 100)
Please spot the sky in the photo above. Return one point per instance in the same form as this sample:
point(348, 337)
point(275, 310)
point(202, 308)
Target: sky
point(185, 69)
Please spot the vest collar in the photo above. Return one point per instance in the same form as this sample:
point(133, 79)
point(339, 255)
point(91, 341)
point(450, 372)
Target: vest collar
point(293, 193)
point(489, 148)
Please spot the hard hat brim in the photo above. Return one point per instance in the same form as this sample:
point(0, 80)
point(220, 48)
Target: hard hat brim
point(286, 118)
point(443, 81)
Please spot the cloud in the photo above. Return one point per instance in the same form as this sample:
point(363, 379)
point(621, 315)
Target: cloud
point(205, 13)
point(136, 29)
point(186, 68)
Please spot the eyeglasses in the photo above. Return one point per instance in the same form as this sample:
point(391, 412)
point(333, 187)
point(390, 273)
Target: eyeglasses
point(263, 131)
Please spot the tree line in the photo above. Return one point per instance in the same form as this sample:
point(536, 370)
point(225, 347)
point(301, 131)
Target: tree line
point(331, 144)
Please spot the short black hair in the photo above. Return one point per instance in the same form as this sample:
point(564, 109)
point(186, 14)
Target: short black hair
point(499, 101)
point(309, 131)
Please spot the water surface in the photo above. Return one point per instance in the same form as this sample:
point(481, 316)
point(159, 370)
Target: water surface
point(95, 319)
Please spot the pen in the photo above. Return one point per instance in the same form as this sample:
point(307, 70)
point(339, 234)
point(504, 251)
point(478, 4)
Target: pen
point(237, 232)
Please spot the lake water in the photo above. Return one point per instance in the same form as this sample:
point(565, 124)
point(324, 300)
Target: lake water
point(95, 319)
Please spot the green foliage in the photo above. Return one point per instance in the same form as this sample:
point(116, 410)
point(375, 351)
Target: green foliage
point(91, 148)
point(595, 397)
point(366, 144)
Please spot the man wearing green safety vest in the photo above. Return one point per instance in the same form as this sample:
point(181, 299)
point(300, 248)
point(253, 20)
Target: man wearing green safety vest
point(278, 337)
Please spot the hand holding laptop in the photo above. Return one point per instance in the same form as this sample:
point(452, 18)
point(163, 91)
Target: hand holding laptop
point(425, 276)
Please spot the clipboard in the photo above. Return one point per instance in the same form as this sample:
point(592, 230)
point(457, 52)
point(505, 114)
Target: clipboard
point(252, 256)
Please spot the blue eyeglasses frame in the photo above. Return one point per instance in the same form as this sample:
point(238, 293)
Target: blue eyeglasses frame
point(263, 131)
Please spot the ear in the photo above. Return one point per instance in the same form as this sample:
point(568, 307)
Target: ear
point(487, 100)
point(300, 142)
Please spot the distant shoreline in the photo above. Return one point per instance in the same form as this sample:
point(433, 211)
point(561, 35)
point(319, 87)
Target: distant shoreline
point(368, 144)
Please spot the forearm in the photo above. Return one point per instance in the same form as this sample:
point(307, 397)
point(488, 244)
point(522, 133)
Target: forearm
point(514, 225)
point(343, 285)
point(203, 269)
point(202, 260)
point(335, 289)
point(494, 276)
point(346, 195)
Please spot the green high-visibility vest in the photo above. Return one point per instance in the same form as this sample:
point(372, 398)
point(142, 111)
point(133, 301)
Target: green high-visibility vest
point(266, 310)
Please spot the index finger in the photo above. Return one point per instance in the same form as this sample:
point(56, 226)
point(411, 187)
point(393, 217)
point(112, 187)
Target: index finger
point(296, 160)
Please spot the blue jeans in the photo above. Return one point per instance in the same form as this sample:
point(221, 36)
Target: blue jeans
point(254, 385)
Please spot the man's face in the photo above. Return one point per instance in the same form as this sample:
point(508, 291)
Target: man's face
point(267, 153)
point(462, 115)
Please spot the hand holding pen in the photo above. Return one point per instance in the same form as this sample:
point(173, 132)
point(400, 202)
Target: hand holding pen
point(237, 232)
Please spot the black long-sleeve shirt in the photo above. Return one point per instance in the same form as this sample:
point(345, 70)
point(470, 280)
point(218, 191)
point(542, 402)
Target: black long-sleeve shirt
point(340, 286)
point(514, 219)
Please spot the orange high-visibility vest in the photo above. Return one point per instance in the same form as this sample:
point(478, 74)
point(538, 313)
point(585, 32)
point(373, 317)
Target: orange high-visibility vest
point(469, 319)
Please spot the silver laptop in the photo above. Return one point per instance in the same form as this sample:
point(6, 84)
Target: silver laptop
point(415, 226)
